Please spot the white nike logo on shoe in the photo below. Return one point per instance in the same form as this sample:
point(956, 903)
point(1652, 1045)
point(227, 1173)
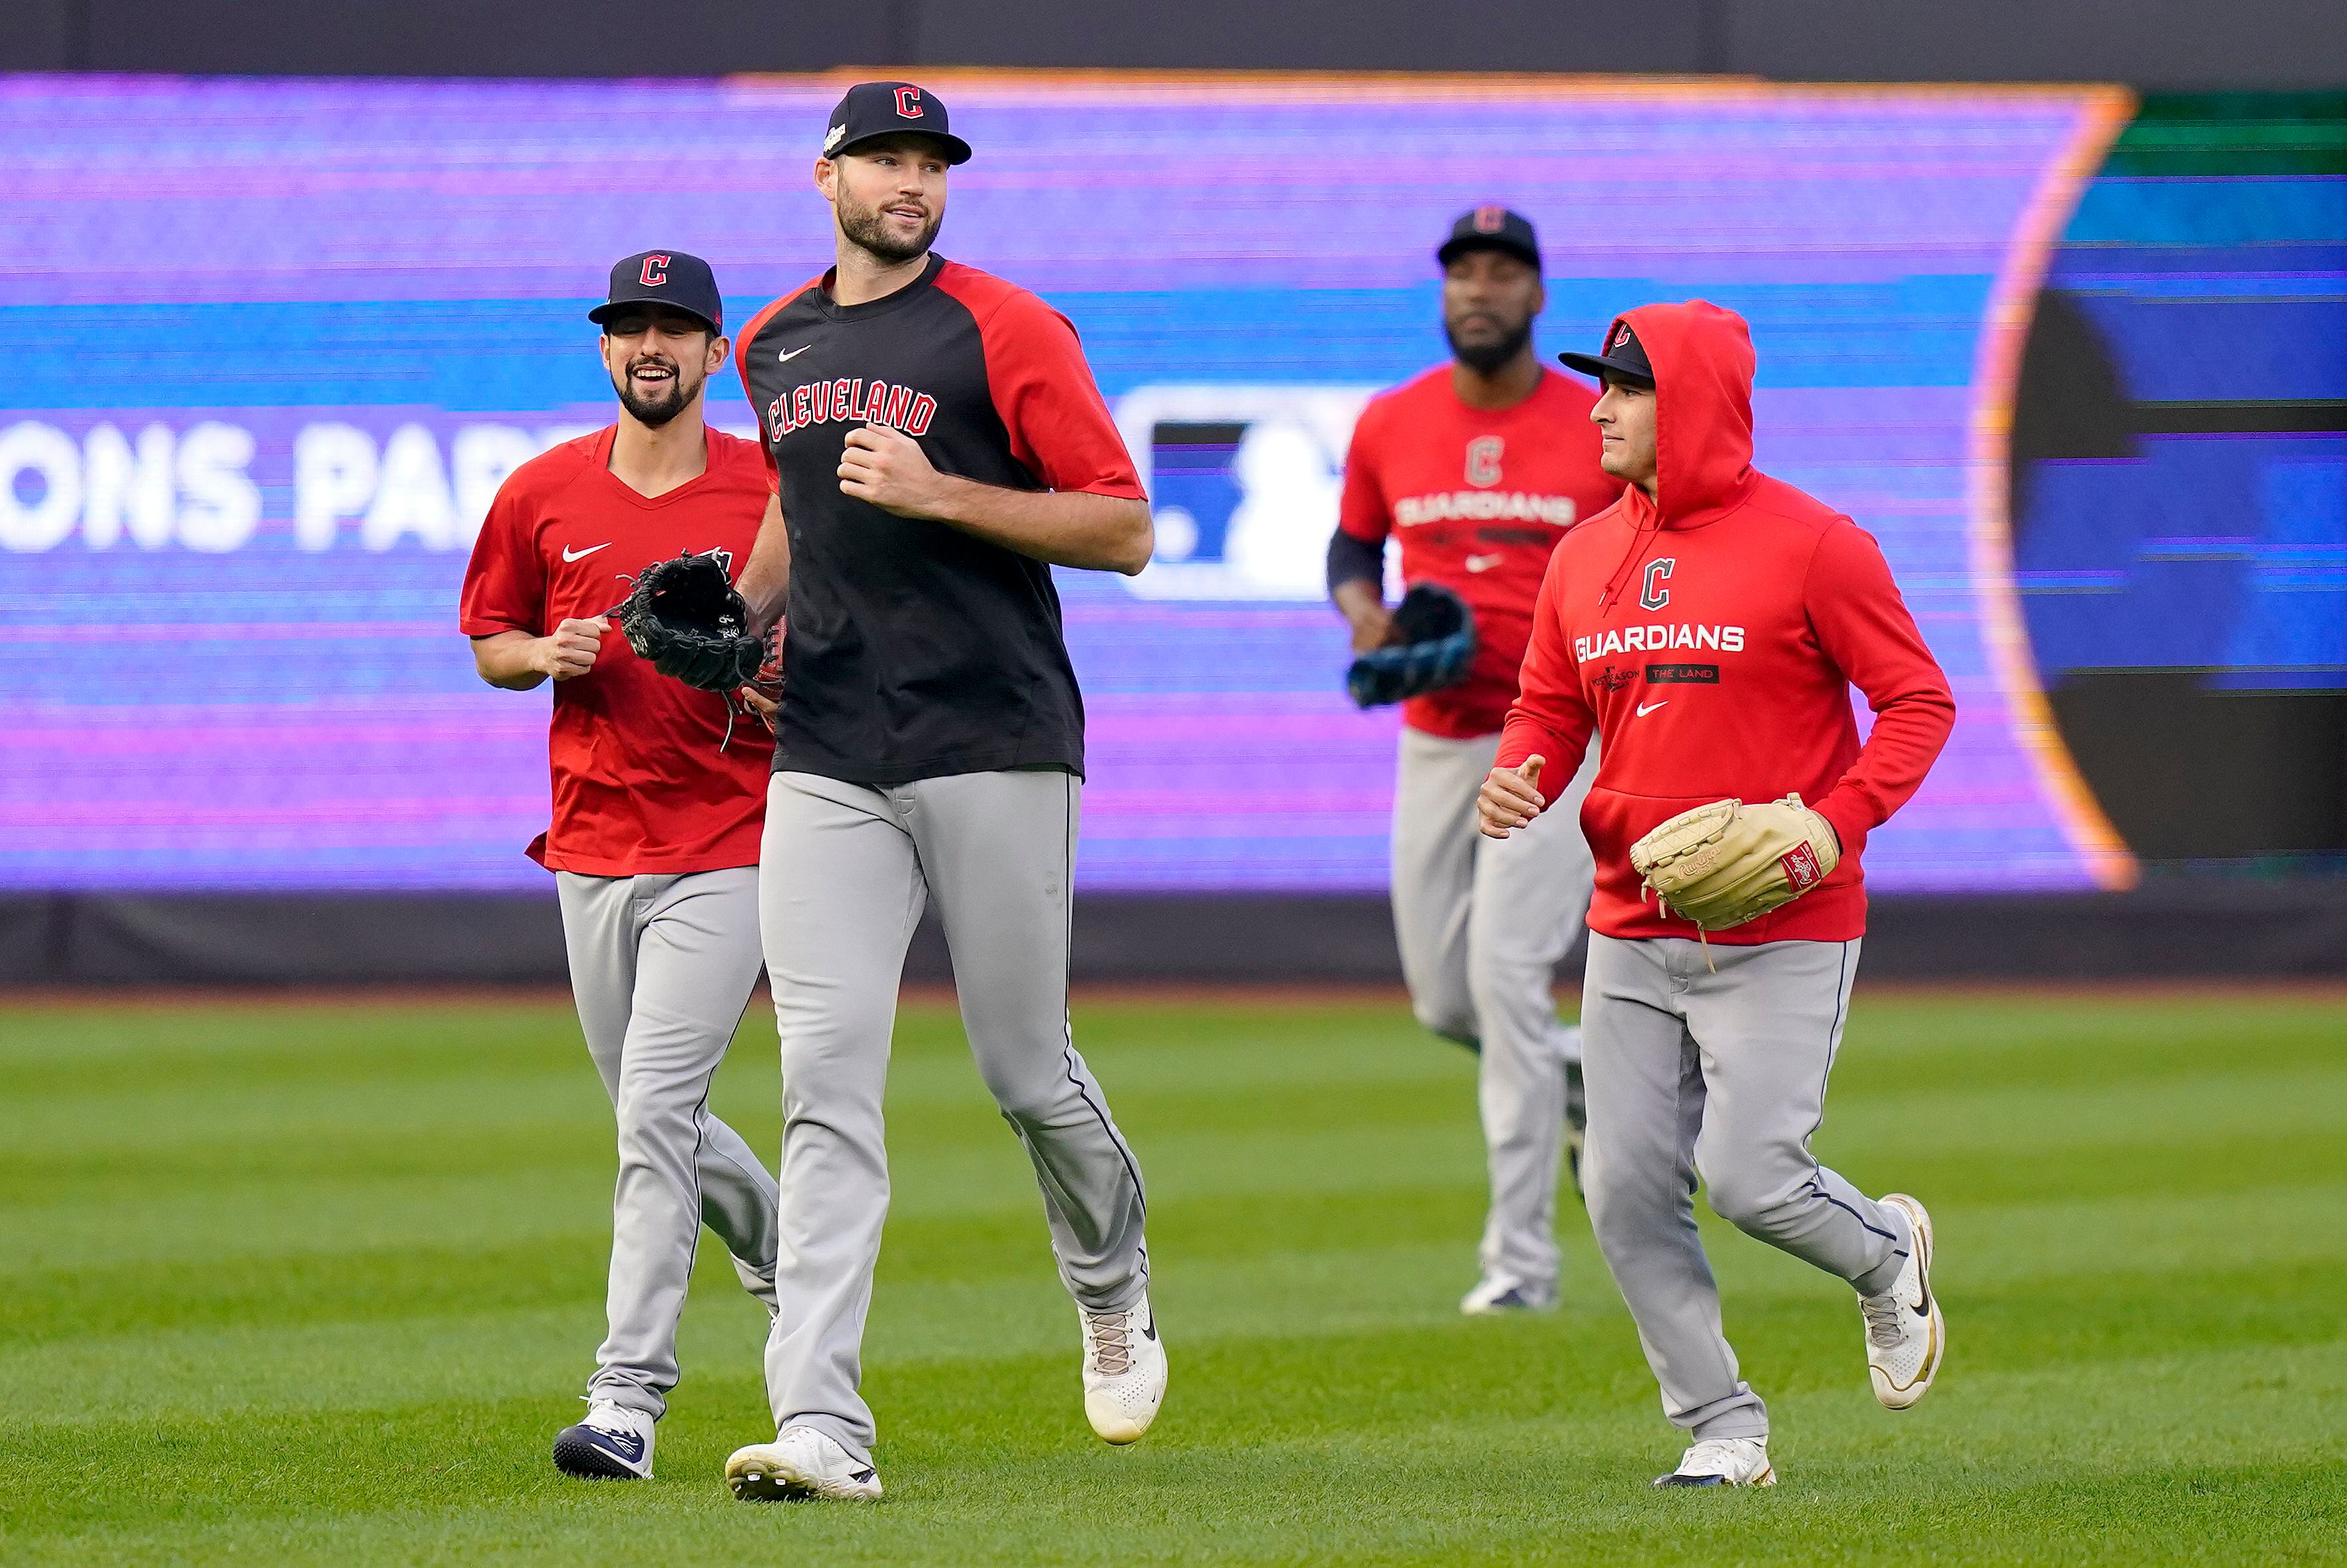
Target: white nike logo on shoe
point(627, 1445)
point(568, 554)
point(1646, 708)
point(1483, 563)
point(788, 354)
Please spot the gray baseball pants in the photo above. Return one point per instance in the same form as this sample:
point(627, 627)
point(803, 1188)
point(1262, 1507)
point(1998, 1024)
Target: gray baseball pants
point(661, 968)
point(1482, 924)
point(846, 871)
point(1723, 1075)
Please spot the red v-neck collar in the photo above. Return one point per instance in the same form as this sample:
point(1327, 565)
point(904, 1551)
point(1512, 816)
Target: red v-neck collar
point(610, 437)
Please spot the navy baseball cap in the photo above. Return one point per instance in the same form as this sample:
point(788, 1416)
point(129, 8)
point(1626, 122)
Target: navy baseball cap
point(1491, 229)
point(1624, 357)
point(667, 278)
point(874, 109)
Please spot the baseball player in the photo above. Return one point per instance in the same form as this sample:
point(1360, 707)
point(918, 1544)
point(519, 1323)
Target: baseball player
point(938, 446)
point(1480, 467)
point(1707, 629)
point(658, 803)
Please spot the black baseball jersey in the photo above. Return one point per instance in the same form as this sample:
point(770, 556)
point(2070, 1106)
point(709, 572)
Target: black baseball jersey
point(913, 650)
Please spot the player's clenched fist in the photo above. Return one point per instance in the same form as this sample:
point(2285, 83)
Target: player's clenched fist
point(884, 465)
point(572, 649)
point(1511, 798)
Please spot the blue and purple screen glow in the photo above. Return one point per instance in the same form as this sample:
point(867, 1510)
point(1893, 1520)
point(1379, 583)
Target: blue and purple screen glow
point(275, 343)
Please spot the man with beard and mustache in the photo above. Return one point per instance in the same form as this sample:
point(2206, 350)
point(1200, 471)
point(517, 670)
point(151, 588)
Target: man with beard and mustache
point(938, 446)
point(658, 803)
point(1481, 466)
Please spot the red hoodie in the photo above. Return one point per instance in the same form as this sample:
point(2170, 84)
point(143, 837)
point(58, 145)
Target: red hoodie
point(1711, 643)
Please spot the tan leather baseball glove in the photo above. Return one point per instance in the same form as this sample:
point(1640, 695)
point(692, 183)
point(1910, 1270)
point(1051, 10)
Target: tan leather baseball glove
point(1724, 863)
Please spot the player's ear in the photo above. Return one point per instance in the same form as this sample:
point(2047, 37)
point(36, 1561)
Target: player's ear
point(719, 347)
point(825, 173)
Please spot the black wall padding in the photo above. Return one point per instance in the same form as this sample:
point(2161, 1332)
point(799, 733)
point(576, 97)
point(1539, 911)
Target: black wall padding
point(2152, 43)
point(2213, 927)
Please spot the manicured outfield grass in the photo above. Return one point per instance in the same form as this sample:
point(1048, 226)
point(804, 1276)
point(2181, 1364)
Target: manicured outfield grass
point(318, 1283)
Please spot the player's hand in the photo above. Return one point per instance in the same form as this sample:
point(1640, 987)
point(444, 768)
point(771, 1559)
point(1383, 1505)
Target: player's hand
point(1510, 798)
point(761, 706)
point(571, 650)
point(884, 465)
point(1373, 627)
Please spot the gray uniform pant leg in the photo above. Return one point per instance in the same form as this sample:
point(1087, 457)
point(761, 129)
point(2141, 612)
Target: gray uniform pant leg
point(847, 870)
point(661, 968)
point(1722, 1075)
point(1482, 924)
point(1530, 904)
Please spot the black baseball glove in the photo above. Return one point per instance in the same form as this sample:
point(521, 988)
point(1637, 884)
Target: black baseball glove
point(684, 618)
point(1433, 645)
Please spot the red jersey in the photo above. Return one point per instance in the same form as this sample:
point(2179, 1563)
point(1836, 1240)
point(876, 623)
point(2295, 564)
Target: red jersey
point(1479, 497)
point(1711, 643)
point(645, 780)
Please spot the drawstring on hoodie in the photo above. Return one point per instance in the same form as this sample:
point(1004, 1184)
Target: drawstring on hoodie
point(1641, 540)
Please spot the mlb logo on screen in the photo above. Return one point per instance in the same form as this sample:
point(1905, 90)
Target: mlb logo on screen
point(1243, 482)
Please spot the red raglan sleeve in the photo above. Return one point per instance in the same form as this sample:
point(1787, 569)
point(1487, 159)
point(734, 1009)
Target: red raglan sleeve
point(1043, 391)
point(1551, 716)
point(1362, 510)
point(765, 436)
point(504, 582)
point(1864, 626)
point(744, 347)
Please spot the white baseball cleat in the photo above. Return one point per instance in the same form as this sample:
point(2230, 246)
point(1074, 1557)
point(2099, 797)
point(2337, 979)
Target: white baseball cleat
point(1723, 1461)
point(1496, 1297)
point(1905, 1333)
point(800, 1462)
point(614, 1443)
point(1124, 1371)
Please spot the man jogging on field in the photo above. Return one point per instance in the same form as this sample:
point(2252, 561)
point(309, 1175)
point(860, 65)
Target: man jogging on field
point(939, 445)
point(1478, 467)
point(1707, 629)
point(658, 800)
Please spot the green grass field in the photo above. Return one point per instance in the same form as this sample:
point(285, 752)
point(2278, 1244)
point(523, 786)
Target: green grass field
point(318, 1283)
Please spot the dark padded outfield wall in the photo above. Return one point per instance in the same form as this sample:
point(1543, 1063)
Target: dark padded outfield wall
point(2261, 43)
point(2219, 928)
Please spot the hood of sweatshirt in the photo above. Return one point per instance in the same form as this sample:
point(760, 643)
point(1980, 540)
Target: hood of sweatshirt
point(1702, 356)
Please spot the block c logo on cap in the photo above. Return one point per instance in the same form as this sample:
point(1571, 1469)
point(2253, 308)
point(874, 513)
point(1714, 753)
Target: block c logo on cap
point(1490, 220)
point(1621, 336)
point(655, 272)
point(908, 102)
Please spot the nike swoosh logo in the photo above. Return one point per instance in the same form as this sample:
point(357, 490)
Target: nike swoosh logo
point(1483, 563)
point(788, 354)
point(1149, 1334)
point(568, 554)
point(1646, 708)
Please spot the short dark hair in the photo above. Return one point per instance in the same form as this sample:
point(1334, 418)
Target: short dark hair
point(654, 308)
point(923, 139)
